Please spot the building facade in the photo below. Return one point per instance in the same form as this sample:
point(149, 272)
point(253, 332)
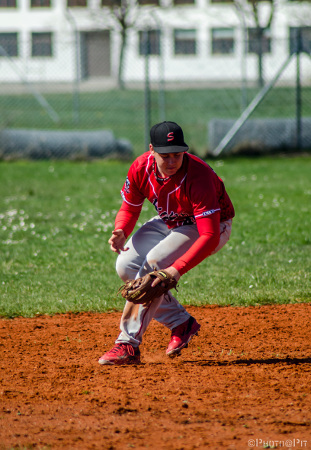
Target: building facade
point(185, 40)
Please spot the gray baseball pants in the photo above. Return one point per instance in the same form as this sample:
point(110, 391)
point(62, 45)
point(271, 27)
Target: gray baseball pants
point(156, 246)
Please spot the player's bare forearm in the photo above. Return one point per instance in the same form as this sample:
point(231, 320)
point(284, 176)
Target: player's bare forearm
point(174, 272)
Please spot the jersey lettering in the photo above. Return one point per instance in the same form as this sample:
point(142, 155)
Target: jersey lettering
point(195, 191)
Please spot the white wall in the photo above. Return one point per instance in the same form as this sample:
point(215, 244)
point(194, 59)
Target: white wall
point(200, 67)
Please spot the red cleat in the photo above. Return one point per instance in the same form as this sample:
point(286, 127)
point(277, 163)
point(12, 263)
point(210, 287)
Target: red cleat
point(121, 354)
point(181, 336)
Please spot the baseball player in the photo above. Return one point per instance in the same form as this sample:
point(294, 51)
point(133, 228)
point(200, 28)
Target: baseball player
point(193, 221)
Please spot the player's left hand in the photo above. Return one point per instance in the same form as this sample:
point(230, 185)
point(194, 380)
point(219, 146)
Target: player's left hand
point(172, 271)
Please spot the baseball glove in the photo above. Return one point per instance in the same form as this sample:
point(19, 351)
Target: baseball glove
point(140, 291)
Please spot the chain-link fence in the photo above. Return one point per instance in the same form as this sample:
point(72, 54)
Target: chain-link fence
point(229, 101)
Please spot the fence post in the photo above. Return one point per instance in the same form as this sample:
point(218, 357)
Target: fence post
point(298, 89)
point(147, 88)
point(76, 90)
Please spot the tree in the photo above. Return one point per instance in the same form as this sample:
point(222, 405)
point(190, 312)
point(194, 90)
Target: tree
point(253, 10)
point(123, 14)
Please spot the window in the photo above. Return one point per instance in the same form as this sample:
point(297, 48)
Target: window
point(8, 42)
point(40, 3)
point(222, 40)
point(148, 2)
point(149, 40)
point(183, 2)
point(111, 3)
point(300, 38)
point(7, 3)
point(73, 3)
point(185, 42)
point(259, 40)
point(41, 44)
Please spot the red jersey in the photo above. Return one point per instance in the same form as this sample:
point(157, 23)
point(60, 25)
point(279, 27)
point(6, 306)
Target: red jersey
point(194, 191)
point(195, 194)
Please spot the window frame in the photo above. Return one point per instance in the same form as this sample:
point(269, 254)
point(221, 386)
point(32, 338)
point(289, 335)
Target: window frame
point(182, 46)
point(221, 42)
point(13, 5)
point(34, 45)
point(72, 3)
point(14, 44)
point(33, 4)
point(267, 41)
point(183, 2)
point(305, 46)
point(148, 2)
point(154, 39)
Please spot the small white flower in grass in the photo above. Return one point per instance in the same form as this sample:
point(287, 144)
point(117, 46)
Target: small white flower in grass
point(32, 225)
point(291, 260)
point(67, 199)
point(51, 169)
point(250, 286)
point(12, 212)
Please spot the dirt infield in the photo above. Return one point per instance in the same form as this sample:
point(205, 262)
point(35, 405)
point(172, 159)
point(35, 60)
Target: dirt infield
point(244, 382)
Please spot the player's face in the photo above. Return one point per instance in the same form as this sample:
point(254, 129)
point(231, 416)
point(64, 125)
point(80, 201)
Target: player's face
point(168, 163)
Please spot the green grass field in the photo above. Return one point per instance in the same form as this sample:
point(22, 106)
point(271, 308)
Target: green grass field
point(123, 111)
point(56, 218)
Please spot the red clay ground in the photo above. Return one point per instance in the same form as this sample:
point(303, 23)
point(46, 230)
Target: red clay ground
point(244, 383)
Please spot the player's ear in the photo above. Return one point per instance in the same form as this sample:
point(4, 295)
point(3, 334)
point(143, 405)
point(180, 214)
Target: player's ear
point(151, 149)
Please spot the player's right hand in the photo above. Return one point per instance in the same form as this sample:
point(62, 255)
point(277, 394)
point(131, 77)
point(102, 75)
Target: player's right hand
point(117, 241)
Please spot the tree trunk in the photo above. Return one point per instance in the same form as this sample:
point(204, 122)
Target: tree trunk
point(121, 59)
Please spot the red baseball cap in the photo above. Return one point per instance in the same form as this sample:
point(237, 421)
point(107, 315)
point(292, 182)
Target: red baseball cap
point(168, 137)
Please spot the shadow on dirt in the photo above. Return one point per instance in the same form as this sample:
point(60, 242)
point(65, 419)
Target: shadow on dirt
point(249, 362)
